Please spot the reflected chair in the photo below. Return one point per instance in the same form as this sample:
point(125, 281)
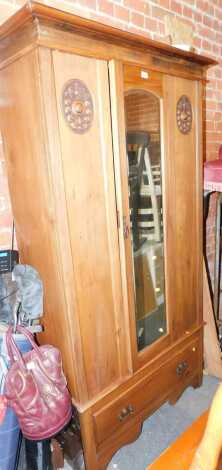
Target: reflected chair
point(145, 189)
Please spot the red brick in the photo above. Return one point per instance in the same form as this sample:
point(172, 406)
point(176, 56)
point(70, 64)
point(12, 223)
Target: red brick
point(208, 21)
point(191, 2)
point(187, 12)
point(209, 125)
point(121, 13)
point(108, 20)
point(162, 28)
point(204, 6)
point(207, 33)
point(210, 73)
point(164, 3)
point(219, 84)
point(219, 126)
point(138, 5)
point(218, 13)
point(188, 22)
point(217, 116)
point(218, 72)
point(88, 3)
point(157, 37)
point(176, 7)
point(151, 24)
point(197, 42)
point(213, 148)
point(216, 25)
point(137, 19)
point(212, 84)
point(141, 32)
point(210, 115)
point(158, 13)
point(211, 105)
point(216, 50)
point(219, 38)
point(206, 45)
point(213, 136)
point(198, 17)
point(105, 7)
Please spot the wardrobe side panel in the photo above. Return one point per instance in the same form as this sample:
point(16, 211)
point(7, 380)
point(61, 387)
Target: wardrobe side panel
point(21, 124)
point(183, 214)
point(90, 194)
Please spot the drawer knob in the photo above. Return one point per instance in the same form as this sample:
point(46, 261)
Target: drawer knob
point(181, 368)
point(129, 410)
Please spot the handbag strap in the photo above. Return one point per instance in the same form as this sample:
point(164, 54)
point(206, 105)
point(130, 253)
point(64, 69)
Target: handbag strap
point(11, 347)
point(4, 369)
point(13, 350)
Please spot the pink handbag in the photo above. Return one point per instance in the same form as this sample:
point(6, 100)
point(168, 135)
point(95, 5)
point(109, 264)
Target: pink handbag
point(36, 389)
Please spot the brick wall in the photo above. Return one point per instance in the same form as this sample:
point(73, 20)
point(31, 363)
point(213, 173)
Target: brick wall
point(147, 18)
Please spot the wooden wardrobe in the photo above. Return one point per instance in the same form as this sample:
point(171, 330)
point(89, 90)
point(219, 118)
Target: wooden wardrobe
point(102, 133)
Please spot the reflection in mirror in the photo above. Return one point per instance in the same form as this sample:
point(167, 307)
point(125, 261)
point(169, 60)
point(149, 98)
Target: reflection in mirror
point(142, 112)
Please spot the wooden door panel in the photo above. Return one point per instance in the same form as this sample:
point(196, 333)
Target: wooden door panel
point(32, 197)
point(183, 207)
point(90, 194)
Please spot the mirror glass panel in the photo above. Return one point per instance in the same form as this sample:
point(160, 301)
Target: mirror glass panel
point(143, 140)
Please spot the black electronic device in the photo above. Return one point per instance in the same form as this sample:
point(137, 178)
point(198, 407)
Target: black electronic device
point(8, 259)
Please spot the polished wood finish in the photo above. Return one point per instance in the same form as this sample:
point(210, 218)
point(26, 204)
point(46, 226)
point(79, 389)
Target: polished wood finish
point(35, 11)
point(183, 219)
point(70, 201)
point(143, 395)
point(91, 210)
point(38, 25)
point(35, 217)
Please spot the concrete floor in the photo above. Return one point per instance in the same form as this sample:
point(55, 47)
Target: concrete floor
point(162, 428)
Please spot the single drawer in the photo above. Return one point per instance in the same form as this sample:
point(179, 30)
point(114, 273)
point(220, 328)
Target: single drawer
point(161, 383)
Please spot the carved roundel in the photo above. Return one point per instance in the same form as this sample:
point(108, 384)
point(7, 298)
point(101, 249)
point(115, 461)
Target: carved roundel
point(184, 114)
point(77, 106)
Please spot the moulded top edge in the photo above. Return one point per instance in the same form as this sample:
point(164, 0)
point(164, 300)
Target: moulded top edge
point(33, 10)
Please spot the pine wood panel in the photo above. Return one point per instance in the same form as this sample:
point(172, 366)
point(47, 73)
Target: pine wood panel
point(134, 78)
point(91, 205)
point(183, 222)
point(32, 196)
point(72, 349)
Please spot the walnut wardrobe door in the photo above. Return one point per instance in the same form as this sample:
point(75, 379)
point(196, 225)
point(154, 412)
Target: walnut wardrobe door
point(82, 90)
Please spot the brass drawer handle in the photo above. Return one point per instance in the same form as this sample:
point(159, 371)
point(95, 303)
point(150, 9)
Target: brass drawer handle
point(129, 410)
point(181, 368)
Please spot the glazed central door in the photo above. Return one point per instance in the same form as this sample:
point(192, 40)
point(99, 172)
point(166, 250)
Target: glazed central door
point(137, 117)
point(157, 172)
point(142, 106)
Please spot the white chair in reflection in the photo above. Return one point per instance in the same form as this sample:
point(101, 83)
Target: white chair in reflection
point(145, 190)
point(146, 216)
point(151, 188)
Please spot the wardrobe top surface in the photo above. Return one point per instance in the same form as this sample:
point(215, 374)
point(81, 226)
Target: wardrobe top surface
point(38, 13)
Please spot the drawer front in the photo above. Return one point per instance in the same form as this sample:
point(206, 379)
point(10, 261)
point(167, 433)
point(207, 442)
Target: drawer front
point(169, 376)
